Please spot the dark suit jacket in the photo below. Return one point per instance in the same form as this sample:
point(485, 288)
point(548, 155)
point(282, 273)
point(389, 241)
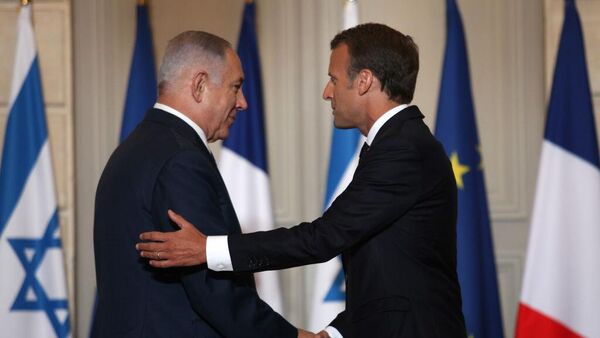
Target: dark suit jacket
point(396, 227)
point(164, 165)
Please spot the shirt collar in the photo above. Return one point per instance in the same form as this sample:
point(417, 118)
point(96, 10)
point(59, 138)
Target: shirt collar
point(185, 119)
point(381, 121)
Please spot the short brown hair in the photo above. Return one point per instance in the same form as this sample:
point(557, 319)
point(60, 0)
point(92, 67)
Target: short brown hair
point(392, 57)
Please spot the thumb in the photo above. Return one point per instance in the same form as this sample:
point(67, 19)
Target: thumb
point(177, 219)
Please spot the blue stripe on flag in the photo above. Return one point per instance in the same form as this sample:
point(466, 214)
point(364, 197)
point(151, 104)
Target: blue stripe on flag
point(456, 128)
point(344, 143)
point(570, 123)
point(247, 134)
point(25, 135)
point(141, 88)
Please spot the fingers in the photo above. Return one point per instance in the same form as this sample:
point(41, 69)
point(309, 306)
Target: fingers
point(151, 246)
point(322, 334)
point(156, 254)
point(183, 223)
point(185, 247)
point(154, 236)
point(305, 334)
point(161, 264)
point(170, 262)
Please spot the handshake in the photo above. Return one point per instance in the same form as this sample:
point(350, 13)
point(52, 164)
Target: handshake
point(307, 334)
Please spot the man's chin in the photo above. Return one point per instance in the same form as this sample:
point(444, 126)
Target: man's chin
point(342, 125)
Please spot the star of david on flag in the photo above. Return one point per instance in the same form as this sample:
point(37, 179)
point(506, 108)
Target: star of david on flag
point(33, 296)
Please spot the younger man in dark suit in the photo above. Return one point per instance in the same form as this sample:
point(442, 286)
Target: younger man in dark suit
point(165, 164)
point(395, 224)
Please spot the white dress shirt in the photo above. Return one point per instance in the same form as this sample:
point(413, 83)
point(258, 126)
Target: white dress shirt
point(185, 119)
point(218, 257)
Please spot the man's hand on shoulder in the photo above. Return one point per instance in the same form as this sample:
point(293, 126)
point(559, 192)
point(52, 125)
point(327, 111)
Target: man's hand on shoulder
point(185, 247)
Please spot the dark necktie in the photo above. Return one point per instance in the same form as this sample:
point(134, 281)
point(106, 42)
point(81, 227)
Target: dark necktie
point(364, 150)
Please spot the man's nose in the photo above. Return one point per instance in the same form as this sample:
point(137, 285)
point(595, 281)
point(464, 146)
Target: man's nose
point(327, 92)
point(241, 102)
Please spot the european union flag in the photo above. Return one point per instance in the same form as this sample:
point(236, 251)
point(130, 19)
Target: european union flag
point(141, 89)
point(457, 130)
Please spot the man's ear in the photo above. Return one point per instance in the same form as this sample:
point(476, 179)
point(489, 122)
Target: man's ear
point(365, 81)
point(199, 82)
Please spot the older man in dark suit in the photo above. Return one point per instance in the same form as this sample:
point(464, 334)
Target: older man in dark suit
point(395, 224)
point(165, 164)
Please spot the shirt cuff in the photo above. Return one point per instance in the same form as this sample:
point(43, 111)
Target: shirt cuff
point(217, 254)
point(333, 332)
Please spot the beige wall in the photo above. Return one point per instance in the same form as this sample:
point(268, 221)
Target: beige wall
point(512, 45)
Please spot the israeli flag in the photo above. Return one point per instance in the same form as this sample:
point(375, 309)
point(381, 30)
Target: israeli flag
point(33, 292)
point(329, 286)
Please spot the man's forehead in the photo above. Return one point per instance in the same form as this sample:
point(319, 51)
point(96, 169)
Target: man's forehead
point(233, 64)
point(339, 56)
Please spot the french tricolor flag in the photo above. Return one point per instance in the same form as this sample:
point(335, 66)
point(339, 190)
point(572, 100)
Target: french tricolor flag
point(243, 161)
point(561, 287)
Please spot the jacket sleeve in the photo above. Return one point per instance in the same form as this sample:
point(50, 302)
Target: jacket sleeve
point(386, 185)
point(339, 322)
point(228, 302)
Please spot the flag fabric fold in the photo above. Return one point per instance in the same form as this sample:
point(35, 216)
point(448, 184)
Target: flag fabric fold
point(141, 88)
point(243, 159)
point(33, 289)
point(329, 295)
point(561, 284)
point(456, 128)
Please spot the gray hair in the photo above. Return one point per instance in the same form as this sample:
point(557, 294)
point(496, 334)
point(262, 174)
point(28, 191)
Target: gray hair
point(190, 49)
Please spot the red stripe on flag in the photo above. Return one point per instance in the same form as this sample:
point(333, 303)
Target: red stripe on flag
point(533, 324)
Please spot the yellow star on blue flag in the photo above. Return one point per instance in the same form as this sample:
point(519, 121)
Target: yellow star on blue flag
point(457, 130)
point(459, 170)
